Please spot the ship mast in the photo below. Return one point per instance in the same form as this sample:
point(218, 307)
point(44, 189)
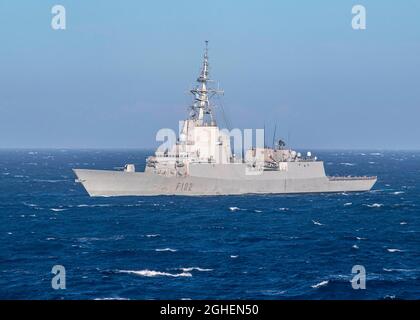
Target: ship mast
point(202, 109)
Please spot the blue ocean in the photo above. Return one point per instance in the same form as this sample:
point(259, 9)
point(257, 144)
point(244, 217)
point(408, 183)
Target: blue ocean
point(221, 247)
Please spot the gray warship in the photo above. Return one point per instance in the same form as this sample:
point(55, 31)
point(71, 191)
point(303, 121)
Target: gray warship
point(201, 162)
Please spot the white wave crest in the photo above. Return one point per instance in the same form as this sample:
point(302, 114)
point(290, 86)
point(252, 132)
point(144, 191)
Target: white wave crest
point(189, 269)
point(320, 284)
point(375, 205)
point(112, 298)
point(234, 208)
point(401, 270)
point(398, 192)
point(153, 273)
point(348, 164)
point(152, 235)
point(166, 249)
point(317, 223)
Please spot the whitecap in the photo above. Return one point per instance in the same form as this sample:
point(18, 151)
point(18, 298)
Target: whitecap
point(166, 249)
point(360, 238)
point(153, 273)
point(320, 284)
point(189, 269)
point(234, 208)
point(347, 164)
point(401, 270)
point(355, 246)
point(403, 222)
point(233, 256)
point(394, 250)
point(272, 292)
point(375, 205)
point(348, 204)
point(398, 192)
point(93, 205)
point(57, 209)
point(257, 211)
point(317, 223)
point(50, 181)
point(30, 204)
point(376, 154)
point(112, 298)
point(152, 235)
point(283, 209)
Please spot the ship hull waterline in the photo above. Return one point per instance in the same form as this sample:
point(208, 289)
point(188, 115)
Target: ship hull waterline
point(108, 183)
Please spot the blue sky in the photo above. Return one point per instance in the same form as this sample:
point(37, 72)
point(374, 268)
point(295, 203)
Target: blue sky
point(122, 70)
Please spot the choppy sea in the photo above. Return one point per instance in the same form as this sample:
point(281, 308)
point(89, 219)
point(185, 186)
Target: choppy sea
point(224, 247)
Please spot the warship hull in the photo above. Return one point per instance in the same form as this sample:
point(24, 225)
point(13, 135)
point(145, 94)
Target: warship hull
point(217, 180)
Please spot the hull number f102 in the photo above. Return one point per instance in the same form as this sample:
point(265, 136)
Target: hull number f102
point(184, 186)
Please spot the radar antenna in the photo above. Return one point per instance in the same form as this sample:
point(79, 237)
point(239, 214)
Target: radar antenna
point(202, 109)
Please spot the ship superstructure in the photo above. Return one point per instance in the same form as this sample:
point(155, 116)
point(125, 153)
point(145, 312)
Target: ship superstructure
point(201, 162)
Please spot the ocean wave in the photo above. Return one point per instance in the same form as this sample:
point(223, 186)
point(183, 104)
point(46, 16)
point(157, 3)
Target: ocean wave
point(320, 284)
point(166, 249)
point(58, 209)
point(348, 204)
point(234, 256)
point(355, 246)
point(394, 250)
point(30, 204)
point(348, 164)
point(401, 270)
point(397, 192)
point(111, 298)
point(152, 235)
point(272, 292)
point(49, 181)
point(153, 273)
point(189, 269)
point(374, 205)
point(93, 205)
point(317, 223)
point(234, 209)
point(88, 239)
point(403, 222)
